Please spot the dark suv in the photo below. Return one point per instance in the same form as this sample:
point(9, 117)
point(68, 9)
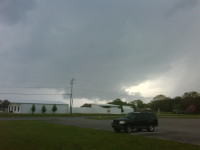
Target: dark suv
point(135, 121)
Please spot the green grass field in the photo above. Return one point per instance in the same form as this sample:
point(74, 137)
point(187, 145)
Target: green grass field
point(52, 115)
point(161, 115)
point(185, 116)
point(100, 116)
point(38, 135)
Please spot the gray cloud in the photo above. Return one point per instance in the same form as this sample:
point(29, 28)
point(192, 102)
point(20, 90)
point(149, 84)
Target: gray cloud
point(104, 45)
point(12, 12)
point(181, 5)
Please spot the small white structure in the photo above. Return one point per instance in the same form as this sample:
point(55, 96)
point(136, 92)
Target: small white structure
point(101, 109)
point(26, 107)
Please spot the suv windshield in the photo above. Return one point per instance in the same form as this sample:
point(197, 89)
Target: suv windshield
point(131, 115)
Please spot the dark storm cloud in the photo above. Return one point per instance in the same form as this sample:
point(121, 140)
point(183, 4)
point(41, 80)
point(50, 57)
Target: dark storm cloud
point(98, 46)
point(12, 11)
point(104, 45)
point(181, 5)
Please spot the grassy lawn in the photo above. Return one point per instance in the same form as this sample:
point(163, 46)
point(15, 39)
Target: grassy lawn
point(53, 115)
point(101, 116)
point(171, 115)
point(38, 135)
point(161, 115)
point(36, 115)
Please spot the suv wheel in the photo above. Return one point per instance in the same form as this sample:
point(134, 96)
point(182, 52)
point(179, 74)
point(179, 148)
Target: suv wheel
point(151, 128)
point(128, 129)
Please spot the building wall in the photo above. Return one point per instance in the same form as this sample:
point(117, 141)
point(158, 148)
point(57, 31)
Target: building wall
point(14, 108)
point(90, 110)
point(26, 108)
point(95, 109)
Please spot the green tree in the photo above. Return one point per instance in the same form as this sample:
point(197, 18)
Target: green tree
point(160, 97)
point(192, 94)
point(163, 103)
point(33, 108)
point(138, 103)
point(132, 104)
point(86, 105)
point(190, 99)
point(44, 109)
point(118, 102)
point(54, 108)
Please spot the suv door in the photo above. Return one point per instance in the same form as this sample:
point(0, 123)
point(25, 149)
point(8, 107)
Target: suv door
point(153, 119)
point(138, 121)
point(147, 119)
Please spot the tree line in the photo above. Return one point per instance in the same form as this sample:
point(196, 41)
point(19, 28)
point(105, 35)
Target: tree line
point(189, 102)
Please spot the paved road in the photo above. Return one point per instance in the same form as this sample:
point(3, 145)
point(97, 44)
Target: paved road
point(180, 130)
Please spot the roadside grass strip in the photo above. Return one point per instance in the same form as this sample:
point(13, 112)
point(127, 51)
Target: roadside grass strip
point(39, 135)
point(2, 115)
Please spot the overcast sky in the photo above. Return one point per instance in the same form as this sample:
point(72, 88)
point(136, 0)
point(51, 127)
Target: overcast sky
point(113, 48)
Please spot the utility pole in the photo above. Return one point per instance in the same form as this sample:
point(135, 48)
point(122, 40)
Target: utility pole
point(71, 94)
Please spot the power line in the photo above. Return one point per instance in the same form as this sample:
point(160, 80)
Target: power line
point(29, 94)
point(41, 79)
point(71, 91)
point(18, 87)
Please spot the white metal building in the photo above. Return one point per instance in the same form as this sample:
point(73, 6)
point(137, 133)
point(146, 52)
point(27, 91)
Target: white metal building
point(25, 107)
point(101, 109)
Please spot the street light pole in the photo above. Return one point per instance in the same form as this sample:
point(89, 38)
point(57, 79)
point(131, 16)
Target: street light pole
point(71, 93)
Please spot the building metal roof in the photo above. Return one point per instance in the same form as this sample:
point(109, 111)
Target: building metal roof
point(36, 102)
point(111, 105)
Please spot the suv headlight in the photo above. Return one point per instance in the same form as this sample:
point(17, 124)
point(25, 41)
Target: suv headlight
point(121, 122)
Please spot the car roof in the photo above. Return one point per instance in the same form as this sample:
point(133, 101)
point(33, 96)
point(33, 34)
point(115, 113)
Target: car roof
point(149, 113)
point(140, 113)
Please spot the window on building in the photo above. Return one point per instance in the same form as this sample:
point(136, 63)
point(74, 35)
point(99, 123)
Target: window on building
point(15, 108)
point(18, 108)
